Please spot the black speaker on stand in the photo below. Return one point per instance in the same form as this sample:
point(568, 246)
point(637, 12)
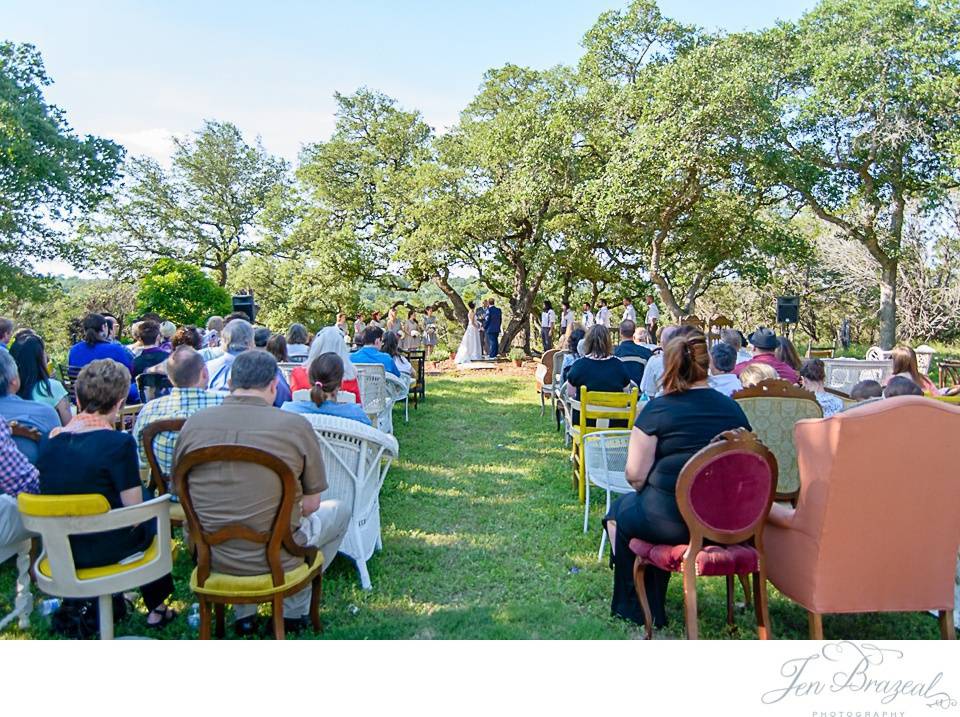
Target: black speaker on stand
point(244, 303)
point(788, 313)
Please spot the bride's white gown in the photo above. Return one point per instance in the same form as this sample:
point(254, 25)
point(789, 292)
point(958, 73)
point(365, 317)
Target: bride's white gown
point(471, 348)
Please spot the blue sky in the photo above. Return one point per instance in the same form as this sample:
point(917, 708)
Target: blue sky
point(140, 71)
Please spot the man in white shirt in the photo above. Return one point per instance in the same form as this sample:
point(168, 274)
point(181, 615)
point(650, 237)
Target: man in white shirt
point(548, 318)
point(566, 317)
point(603, 314)
point(629, 313)
point(587, 315)
point(732, 337)
point(723, 358)
point(653, 316)
point(650, 382)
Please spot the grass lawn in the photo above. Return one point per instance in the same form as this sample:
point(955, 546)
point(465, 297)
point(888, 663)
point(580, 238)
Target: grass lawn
point(482, 540)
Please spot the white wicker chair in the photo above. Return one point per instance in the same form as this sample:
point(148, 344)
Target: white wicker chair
point(605, 462)
point(356, 458)
point(373, 391)
point(287, 369)
point(398, 389)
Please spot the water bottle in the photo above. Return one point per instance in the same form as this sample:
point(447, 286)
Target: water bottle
point(193, 617)
point(49, 606)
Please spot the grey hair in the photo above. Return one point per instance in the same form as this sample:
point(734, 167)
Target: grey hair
point(237, 336)
point(8, 372)
point(731, 337)
point(215, 323)
point(252, 369)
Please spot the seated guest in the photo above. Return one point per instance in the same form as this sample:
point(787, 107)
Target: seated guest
point(644, 338)
point(167, 331)
point(261, 335)
point(628, 347)
point(328, 340)
point(755, 373)
point(765, 345)
point(372, 343)
point(734, 338)
point(567, 342)
point(598, 369)
point(787, 353)
point(901, 386)
point(89, 456)
point(250, 494)
point(723, 357)
point(6, 332)
point(95, 345)
point(30, 413)
point(188, 374)
point(36, 383)
point(653, 373)
point(277, 347)
point(212, 334)
point(668, 431)
point(151, 354)
point(187, 336)
point(905, 365)
point(391, 347)
point(865, 390)
point(237, 338)
point(326, 374)
point(574, 338)
point(812, 375)
point(297, 340)
point(17, 475)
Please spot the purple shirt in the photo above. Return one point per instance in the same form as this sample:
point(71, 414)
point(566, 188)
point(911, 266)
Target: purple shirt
point(784, 371)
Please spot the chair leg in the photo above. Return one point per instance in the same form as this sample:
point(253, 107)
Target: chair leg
point(204, 619)
point(581, 476)
point(219, 610)
point(278, 632)
point(543, 405)
point(364, 575)
point(730, 590)
point(24, 600)
point(690, 603)
point(586, 509)
point(315, 595)
point(745, 584)
point(639, 567)
point(106, 617)
point(947, 629)
point(815, 619)
point(761, 607)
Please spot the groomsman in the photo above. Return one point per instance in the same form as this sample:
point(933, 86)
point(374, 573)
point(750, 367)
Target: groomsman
point(566, 317)
point(629, 313)
point(652, 318)
point(603, 314)
point(588, 320)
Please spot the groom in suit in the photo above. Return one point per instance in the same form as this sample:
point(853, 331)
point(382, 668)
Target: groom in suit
point(491, 327)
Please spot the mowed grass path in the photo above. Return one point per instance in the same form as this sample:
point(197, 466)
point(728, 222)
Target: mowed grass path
point(483, 539)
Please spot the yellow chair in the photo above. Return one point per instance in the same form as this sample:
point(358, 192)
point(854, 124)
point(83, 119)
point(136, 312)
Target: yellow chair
point(221, 589)
point(598, 408)
point(57, 517)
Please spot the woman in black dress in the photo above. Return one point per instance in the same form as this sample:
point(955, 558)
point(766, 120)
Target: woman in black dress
point(668, 431)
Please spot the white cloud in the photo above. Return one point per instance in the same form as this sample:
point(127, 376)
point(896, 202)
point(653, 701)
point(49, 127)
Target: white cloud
point(156, 143)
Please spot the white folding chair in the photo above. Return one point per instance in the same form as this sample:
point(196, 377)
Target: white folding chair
point(605, 463)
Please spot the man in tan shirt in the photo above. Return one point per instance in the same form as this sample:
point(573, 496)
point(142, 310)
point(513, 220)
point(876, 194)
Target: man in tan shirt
point(247, 493)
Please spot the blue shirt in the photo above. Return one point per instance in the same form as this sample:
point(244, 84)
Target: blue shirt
point(30, 413)
point(329, 408)
point(369, 354)
point(220, 368)
point(82, 353)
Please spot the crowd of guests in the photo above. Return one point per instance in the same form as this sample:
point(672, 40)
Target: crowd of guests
point(686, 389)
point(226, 381)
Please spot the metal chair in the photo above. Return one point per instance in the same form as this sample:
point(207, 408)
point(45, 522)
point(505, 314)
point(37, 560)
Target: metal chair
point(605, 458)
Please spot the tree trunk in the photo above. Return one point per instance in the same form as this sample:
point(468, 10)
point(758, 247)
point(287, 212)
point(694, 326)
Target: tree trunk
point(888, 304)
point(460, 310)
point(222, 269)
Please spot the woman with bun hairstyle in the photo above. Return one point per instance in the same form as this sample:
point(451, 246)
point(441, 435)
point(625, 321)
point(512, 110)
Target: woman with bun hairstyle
point(325, 374)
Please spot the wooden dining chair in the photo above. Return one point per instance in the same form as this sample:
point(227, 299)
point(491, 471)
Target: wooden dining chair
point(724, 493)
point(159, 481)
point(220, 589)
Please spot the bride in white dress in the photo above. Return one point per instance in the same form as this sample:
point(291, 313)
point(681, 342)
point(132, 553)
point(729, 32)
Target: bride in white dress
point(471, 348)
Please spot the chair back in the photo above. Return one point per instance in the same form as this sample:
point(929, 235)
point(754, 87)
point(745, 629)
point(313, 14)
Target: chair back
point(725, 490)
point(279, 535)
point(544, 372)
point(875, 353)
point(948, 373)
point(820, 352)
point(27, 439)
point(159, 481)
point(127, 417)
point(602, 407)
point(692, 320)
point(373, 387)
point(844, 397)
point(717, 323)
point(418, 360)
point(297, 360)
point(844, 374)
point(557, 364)
point(878, 506)
point(68, 377)
point(605, 459)
point(773, 407)
point(286, 367)
point(152, 385)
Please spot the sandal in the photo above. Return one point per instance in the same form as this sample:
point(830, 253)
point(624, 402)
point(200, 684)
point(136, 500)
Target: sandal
point(169, 615)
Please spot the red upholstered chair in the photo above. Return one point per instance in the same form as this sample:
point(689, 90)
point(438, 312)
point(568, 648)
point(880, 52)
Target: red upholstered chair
point(724, 493)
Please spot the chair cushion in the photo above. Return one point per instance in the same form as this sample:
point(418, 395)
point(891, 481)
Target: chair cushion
point(58, 506)
point(224, 585)
point(103, 571)
point(711, 560)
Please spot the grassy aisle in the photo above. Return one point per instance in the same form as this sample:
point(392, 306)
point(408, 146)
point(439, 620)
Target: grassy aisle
point(482, 539)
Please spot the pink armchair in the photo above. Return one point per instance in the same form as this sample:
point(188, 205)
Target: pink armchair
point(875, 528)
